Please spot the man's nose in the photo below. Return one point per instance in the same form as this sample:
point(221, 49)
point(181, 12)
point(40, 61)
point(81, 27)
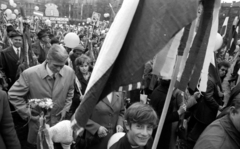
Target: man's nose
point(145, 131)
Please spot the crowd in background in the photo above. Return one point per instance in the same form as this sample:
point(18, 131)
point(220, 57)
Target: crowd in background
point(192, 118)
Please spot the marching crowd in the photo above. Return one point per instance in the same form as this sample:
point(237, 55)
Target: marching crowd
point(194, 120)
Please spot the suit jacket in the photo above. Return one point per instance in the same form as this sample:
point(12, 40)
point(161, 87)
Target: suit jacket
point(40, 52)
point(8, 136)
point(36, 83)
point(108, 115)
point(9, 63)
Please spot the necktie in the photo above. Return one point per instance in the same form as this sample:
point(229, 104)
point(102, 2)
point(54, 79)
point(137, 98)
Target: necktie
point(54, 77)
point(18, 53)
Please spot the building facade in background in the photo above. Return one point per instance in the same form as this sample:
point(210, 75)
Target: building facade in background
point(74, 10)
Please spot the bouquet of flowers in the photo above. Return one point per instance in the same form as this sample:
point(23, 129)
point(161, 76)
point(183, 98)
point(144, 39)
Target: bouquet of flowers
point(44, 104)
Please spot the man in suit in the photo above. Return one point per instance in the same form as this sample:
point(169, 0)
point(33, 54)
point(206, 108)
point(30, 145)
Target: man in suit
point(42, 46)
point(8, 137)
point(10, 57)
point(51, 79)
point(9, 62)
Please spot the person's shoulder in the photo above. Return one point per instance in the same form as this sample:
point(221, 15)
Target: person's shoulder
point(6, 50)
point(68, 69)
point(3, 94)
point(37, 43)
point(33, 69)
point(212, 137)
point(118, 141)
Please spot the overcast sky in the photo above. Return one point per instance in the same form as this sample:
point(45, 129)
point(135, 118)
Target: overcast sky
point(229, 0)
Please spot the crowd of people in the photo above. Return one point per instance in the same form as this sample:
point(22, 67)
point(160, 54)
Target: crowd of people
point(194, 120)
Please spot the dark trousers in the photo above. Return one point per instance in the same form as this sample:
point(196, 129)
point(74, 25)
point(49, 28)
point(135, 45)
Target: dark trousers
point(195, 133)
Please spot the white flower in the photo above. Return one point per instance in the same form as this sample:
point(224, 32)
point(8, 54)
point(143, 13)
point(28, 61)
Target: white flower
point(42, 105)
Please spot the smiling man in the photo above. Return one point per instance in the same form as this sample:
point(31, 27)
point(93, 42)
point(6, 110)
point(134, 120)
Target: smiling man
point(51, 79)
point(140, 120)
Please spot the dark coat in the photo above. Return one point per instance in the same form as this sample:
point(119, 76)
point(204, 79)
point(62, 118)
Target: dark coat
point(207, 108)
point(9, 63)
point(108, 115)
point(40, 52)
point(8, 137)
point(157, 100)
point(221, 134)
point(75, 100)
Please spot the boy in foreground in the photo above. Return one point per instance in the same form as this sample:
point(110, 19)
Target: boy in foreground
point(140, 120)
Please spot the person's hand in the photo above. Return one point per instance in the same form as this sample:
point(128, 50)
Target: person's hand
point(220, 108)
point(102, 131)
point(63, 114)
point(119, 128)
point(182, 109)
point(81, 98)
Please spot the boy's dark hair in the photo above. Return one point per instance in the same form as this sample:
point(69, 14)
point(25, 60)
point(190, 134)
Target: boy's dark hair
point(141, 114)
point(224, 64)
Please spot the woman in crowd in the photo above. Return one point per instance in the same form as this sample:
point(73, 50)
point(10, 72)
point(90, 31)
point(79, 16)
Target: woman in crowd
point(83, 73)
point(106, 119)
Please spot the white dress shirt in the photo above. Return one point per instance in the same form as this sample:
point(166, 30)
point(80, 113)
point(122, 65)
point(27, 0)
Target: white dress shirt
point(50, 73)
point(15, 49)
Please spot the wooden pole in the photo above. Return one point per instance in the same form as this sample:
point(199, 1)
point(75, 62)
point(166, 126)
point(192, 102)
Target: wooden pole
point(167, 102)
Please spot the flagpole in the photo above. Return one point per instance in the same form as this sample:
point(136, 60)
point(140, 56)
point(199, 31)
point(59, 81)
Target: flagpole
point(114, 14)
point(167, 102)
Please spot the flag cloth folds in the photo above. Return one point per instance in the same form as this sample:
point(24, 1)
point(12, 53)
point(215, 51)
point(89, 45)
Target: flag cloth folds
point(223, 31)
point(197, 52)
point(122, 57)
point(235, 30)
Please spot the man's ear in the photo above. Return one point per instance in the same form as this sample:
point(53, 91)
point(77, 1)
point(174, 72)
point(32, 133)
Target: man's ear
point(233, 110)
point(126, 124)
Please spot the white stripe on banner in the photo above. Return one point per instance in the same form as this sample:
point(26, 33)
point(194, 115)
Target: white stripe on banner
point(169, 64)
point(114, 40)
point(210, 47)
point(120, 89)
point(139, 84)
point(130, 87)
point(225, 23)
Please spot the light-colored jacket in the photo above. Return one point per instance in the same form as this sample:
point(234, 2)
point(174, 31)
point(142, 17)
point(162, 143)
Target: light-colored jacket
point(221, 134)
point(35, 83)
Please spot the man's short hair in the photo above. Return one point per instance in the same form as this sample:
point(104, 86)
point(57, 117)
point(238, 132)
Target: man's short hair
point(223, 64)
point(141, 114)
point(57, 53)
